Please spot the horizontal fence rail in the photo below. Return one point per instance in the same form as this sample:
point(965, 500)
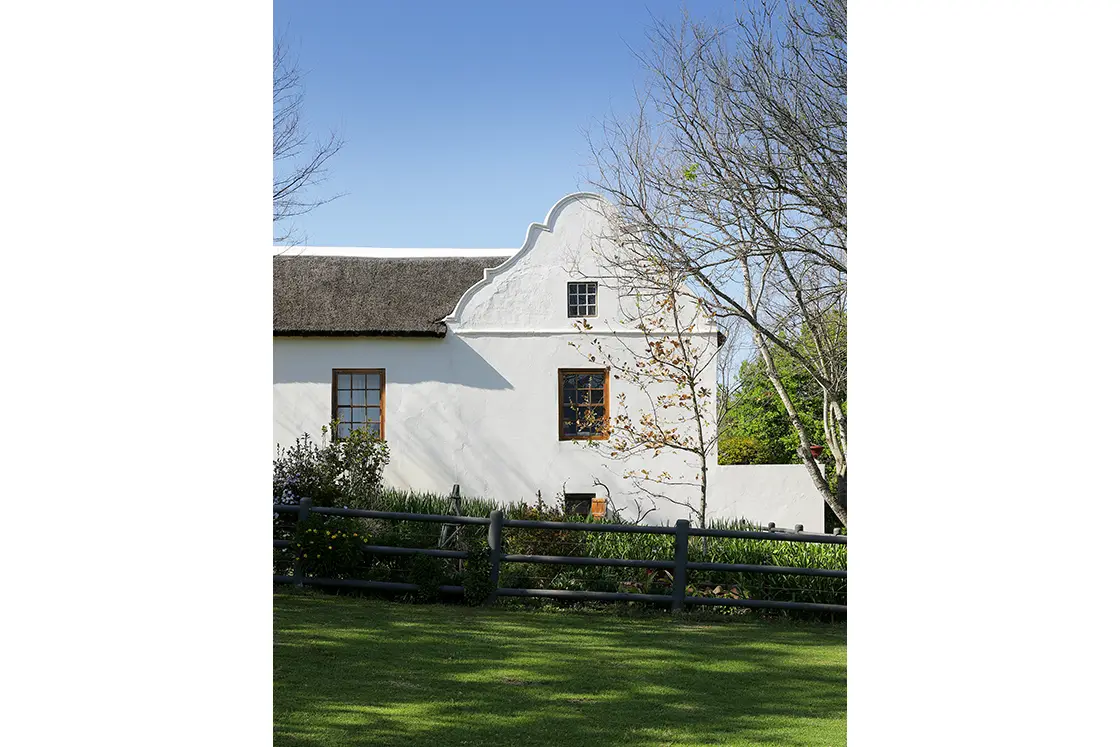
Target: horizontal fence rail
point(823, 539)
point(436, 518)
point(496, 523)
point(576, 560)
point(579, 526)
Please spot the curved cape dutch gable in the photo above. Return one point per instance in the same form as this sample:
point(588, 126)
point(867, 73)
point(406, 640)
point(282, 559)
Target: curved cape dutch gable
point(526, 291)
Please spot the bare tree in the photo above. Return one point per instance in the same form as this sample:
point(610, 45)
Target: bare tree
point(733, 175)
point(670, 364)
point(298, 162)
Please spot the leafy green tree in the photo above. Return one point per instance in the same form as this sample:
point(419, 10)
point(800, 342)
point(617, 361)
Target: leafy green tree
point(755, 413)
point(758, 430)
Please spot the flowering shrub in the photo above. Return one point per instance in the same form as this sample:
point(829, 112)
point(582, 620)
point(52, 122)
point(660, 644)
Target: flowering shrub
point(346, 472)
point(331, 547)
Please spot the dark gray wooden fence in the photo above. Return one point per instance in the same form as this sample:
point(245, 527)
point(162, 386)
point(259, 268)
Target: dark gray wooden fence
point(497, 522)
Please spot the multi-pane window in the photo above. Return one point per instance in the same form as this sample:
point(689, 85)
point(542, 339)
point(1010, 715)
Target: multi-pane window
point(584, 403)
point(583, 299)
point(358, 399)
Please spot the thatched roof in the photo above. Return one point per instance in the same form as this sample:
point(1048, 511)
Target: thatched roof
point(315, 295)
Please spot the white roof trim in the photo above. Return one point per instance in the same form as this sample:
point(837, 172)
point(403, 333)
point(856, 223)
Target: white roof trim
point(384, 253)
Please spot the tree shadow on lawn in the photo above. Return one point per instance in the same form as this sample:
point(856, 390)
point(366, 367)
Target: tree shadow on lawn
point(352, 671)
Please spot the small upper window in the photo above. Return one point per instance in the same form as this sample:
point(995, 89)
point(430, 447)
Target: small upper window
point(359, 401)
point(583, 299)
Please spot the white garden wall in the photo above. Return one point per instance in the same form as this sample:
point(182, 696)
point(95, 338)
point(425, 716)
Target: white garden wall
point(764, 493)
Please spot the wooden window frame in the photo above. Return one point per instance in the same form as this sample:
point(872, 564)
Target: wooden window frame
point(560, 374)
point(568, 303)
point(334, 396)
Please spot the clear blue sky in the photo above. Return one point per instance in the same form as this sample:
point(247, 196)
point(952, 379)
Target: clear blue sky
point(463, 121)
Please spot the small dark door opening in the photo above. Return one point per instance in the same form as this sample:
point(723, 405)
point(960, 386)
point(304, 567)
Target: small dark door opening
point(578, 504)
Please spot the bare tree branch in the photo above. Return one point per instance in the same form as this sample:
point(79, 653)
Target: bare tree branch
point(731, 180)
point(299, 162)
point(669, 365)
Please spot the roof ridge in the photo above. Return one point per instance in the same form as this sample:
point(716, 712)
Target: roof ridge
point(389, 253)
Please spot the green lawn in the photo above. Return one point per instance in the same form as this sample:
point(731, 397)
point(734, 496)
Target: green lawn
point(352, 671)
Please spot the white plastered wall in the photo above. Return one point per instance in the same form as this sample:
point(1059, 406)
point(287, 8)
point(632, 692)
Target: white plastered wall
point(480, 406)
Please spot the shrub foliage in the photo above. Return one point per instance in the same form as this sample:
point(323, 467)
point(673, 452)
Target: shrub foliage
point(343, 472)
point(333, 545)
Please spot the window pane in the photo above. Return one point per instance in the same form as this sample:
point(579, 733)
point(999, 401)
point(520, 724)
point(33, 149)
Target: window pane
point(595, 381)
point(373, 417)
point(591, 310)
point(343, 430)
point(344, 414)
point(358, 397)
point(344, 381)
point(344, 397)
point(373, 382)
point(358, 415)
point(359, 381)
point(597, 395)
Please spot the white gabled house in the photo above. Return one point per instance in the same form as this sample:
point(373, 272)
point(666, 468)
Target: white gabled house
point(461, 360)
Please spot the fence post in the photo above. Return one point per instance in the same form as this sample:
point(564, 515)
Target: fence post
point(303, 515)
point(494, 539)
point(681, 564)
point(455, 508)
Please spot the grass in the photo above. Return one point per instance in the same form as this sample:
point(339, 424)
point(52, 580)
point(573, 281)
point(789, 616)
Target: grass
point(353, 671)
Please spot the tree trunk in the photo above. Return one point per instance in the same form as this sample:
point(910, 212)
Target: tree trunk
point(704, 502)
point(802, 435)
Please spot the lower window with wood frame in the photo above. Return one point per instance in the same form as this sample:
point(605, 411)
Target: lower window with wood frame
point(584, 403)
point(358, 401)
